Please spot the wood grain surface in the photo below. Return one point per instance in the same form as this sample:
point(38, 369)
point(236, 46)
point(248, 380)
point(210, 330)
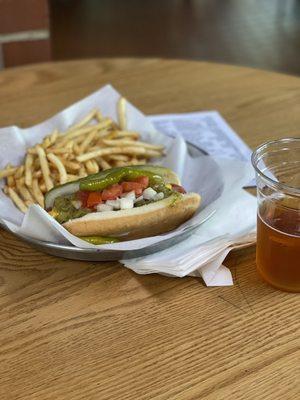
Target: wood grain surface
point(75, 330)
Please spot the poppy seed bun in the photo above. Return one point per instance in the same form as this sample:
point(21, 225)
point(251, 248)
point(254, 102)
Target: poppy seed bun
point(148, 220)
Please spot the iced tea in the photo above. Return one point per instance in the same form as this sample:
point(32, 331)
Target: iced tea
point(278, 246)
point(277, 167)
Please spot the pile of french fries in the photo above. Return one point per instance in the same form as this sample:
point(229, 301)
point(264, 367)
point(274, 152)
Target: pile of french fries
point(94, 144)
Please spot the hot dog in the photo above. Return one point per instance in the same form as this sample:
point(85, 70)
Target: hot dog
point(126, 202)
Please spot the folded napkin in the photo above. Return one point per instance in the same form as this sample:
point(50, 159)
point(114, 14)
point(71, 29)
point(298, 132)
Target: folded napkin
point(202, 254)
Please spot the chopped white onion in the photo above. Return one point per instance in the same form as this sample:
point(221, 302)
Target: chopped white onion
point(104, 207)
point(126, 203)
point(149, 193)
point(114, 203)
point(77, 204)
point(129, 195)
point(139, 199)
point(159, 196)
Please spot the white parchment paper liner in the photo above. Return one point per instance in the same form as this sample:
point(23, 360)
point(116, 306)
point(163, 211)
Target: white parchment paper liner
point(213, 179)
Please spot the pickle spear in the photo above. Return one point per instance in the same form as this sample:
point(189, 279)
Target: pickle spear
point(126, 174)
point(93, 182)
point(99, 239)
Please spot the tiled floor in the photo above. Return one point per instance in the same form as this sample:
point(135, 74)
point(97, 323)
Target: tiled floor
point(259, 33)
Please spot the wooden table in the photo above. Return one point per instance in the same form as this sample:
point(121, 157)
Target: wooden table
point(78, 330)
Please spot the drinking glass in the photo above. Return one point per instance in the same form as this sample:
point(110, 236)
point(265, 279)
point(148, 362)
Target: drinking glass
point(277, 166)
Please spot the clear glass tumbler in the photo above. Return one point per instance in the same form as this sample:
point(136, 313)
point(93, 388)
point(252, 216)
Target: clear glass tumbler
point(277, 166)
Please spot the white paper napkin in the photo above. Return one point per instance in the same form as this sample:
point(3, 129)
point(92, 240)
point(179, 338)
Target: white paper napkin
point(202, 254)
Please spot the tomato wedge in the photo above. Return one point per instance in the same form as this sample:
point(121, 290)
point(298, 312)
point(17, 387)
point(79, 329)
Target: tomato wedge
point(143, 180)
point(133, 186)
point(83, 196)
point(94, 199)
point(112, 192)
point(178, 188)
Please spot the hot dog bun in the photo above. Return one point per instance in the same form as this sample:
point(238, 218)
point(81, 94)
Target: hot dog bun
point(148, 220)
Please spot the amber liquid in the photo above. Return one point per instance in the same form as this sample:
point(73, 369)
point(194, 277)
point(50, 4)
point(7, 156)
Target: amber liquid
point(278, 246)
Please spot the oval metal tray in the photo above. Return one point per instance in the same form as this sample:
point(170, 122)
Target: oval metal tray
point(75, 253)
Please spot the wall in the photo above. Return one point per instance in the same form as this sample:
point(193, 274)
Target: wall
point(24, 32)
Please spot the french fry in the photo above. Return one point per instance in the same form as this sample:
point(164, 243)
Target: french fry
point(133, 161)
point(36, 164)
point(80, 131)
point(88, 139)
point(70, 144)
point(76, 149)
point(63, 150)
point(124, 142)
point(91, 167)
point(85, 120)
point(54, 136)
point(67, 156)
point(118, 157)
point(45, 167)
point(95, 166)
point(78, 140)
point(37, 174)
point(5, 173)
point(31, 150)
point(36, 191)
point(110, 135)
point(22, 180)
point(50, 139)
point(103, 134)
point(19, 172)
point(71, 166)
point(99, 116)
point(71, 177)
point(17, 200)
point(60, 167)
point(119, 163)
point(24, 192)
point(114, 126)
point(82, 172)
point(11, 181)
point(103, 163)
point(137, 161)
point(30, 190)
point(130, 150)
point(122, 113)
point(28, 169)
point(127, 134)
point(43, 187)
point(46, 142)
